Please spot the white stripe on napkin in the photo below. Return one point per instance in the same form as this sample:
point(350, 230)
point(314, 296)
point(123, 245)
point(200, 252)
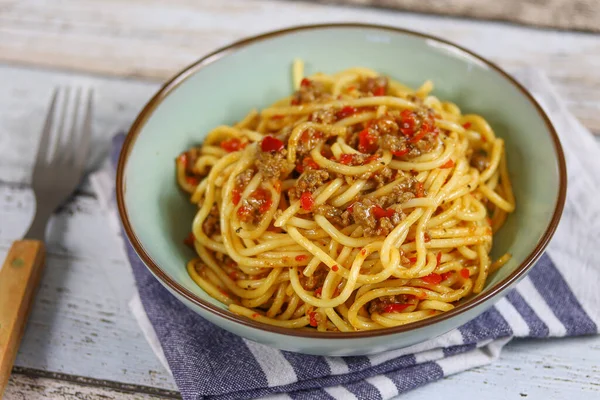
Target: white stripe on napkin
point(430, 355)
point(512, 316)
point(340, 392)
point(476, 358)
point(385, 385)
point(531, 295)
point(277, 369)
point(337, 365)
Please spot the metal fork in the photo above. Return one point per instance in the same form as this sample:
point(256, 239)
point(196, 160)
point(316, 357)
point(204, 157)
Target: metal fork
point(59, 167)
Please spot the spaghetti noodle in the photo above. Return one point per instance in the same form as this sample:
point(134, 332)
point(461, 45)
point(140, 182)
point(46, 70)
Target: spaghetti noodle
point(354, 204)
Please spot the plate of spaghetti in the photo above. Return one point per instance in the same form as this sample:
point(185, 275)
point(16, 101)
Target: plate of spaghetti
point(348, 203)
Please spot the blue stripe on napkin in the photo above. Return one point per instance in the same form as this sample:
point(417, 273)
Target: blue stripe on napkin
point(556, 292)
point(537, 327)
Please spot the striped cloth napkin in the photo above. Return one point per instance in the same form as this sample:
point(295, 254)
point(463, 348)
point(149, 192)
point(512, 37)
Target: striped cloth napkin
point(558, 298)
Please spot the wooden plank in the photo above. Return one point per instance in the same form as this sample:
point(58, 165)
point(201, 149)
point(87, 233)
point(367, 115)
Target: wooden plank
point(22, 386)
point(564, 14)
point(154, 39)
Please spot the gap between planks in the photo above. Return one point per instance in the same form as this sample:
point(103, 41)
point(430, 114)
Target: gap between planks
point(31, 384)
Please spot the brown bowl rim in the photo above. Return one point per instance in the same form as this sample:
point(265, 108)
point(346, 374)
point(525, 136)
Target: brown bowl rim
point(181, 76)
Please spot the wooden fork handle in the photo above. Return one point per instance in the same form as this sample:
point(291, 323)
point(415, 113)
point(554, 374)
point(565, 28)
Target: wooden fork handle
point(19, 278)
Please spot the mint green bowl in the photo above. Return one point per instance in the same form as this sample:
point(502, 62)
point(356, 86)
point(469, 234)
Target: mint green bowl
point(223, 86)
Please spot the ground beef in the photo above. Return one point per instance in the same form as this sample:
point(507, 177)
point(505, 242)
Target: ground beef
point(382, 177)
point(191, 156)
point(337, 216)
point(379, 304)
point(312, 91)
point(425, 145)
point(241, 181)
point(325, 116)
point(316, 280)
point(362, 214)
point(309, 181)
point(386, 125)
point(370, 85)
point(480, 160)
point(402, 192)
point(253, 207)
point(394, 143)
point(273, 165)
point(308, 141)
point(211, 226)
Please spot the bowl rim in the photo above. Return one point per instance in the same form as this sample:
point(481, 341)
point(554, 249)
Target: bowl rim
point(475, 301)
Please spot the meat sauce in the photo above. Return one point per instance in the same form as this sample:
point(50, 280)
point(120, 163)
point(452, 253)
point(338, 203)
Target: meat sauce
point(405, 134)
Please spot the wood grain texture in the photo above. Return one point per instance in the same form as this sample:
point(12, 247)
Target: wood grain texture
point(19, 278)
point(36, 388)
point(153, 39)
point(562, 14)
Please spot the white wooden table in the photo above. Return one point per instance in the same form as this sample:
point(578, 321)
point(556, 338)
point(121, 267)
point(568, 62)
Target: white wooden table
point(81, 341)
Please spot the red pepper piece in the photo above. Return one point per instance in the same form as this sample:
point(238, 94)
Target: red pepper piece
point(350, 208)
point(313, 319)
point(189, 240)
point(392, 308)
point(346, 159)
point(269, 143)
point(425, 129)
point(379, 91)
point(243, 211)
point(420, 190)
point(301, 257)
point(367, 141)
point(446, 275)
point(379, 212)
point(309, 162)
point(345, 112)
point(231, 145)
point(467, 125)
point(400, 153)
point(465, 273)
point(236, 196)
point(305, 82)
point(264, 207)
point(448, 164)
point(407, 127)
point(306, 201)
point(183, 159)
point(432, 278)
point(439, 258)
point(192, 180)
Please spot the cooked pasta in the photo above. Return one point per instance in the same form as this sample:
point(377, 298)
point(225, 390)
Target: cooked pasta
point(356, 203)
